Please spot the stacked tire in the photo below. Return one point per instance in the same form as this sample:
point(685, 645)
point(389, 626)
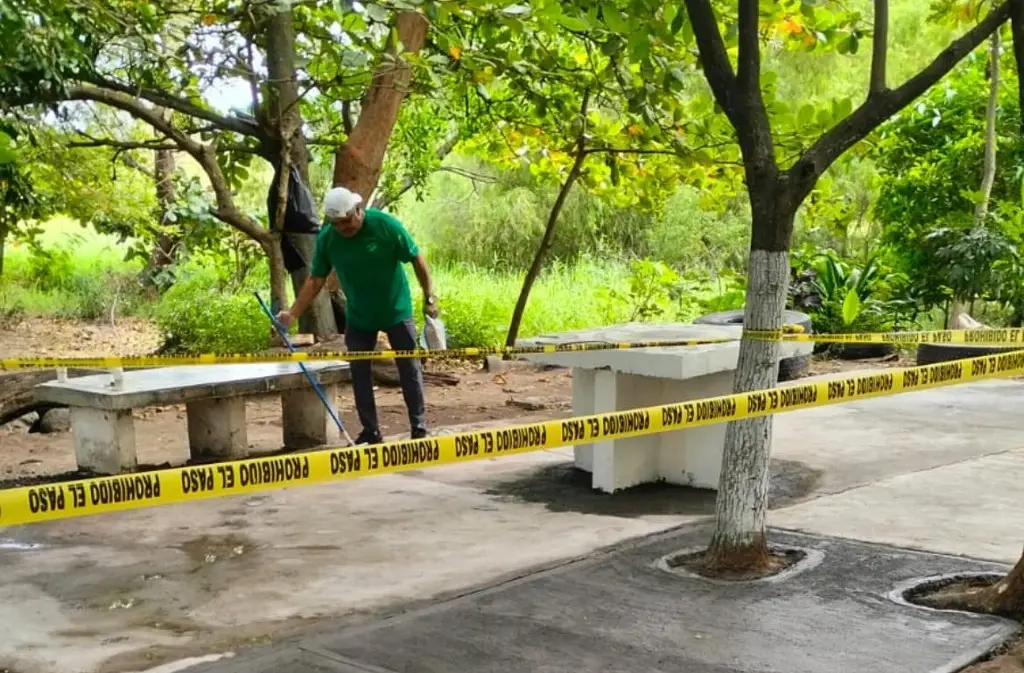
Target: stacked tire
point(930, 354)
point(790, 368)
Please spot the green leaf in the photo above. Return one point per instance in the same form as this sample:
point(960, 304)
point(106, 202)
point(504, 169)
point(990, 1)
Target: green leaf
point(377, 13)
point(484, 93)
point(677, 22)
point(7, 154)
point(573, 23)
point(614, 19)
point(851, 307)
point(806, 115)
point(516, 10)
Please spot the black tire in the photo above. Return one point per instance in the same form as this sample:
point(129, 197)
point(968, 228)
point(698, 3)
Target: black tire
point(789, 368)
point(930, 354)
point(794, 368)
point(862, 351)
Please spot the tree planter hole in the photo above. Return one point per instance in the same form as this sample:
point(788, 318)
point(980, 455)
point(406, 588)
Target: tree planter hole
point(783, 562)
point(958, 592)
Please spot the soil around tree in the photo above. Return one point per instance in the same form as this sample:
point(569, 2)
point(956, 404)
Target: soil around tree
point(778, 560)
point(971, 594)
point(952, 593)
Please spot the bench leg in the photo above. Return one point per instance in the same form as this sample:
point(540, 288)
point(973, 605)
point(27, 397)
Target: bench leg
point(104, 440)
point(621, 463)
point(693, 457)
point(305, 422)
point(216, 428)
point(583, 405)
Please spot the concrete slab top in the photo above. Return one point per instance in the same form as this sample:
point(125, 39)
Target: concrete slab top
point(673, 362)
point(175, 385)
point(621, 612)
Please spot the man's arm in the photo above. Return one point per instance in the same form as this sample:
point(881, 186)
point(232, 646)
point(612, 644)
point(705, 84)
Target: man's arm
point(419, 265)
point(310, 289)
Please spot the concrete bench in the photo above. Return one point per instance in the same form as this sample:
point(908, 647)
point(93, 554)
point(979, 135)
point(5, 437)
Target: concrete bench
point(214, 397)
point(617, 380)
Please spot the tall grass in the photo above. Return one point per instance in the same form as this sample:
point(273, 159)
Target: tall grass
point(71, 272)
point(477, 303)
point(496, 222)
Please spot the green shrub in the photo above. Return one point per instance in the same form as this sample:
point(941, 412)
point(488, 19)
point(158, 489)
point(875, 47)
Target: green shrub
point(196, 316)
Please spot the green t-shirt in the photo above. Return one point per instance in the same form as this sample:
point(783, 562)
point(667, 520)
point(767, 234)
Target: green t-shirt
point(369, 266)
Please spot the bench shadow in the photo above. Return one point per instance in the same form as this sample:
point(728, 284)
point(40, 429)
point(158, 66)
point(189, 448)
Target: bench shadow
point(561, 487)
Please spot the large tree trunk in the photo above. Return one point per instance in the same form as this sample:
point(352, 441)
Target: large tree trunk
point(163, 253)
point(1006, 597)
point(358, 163)
point(285, 117)
point(739, 541)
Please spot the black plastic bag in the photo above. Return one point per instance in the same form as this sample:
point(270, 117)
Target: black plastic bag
point(299, 216)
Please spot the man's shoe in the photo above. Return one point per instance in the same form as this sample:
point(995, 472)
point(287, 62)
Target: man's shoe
point(418, 434)
point(369, 437)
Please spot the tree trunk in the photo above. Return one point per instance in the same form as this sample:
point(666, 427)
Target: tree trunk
point(545, 245)
point(163, 252)
point(991, 113)
point(1017, 32)
point(278, 275)
point(285, 116)
point(3, 242)
point(357, 163)
point(739, 542)
point(1006, 597)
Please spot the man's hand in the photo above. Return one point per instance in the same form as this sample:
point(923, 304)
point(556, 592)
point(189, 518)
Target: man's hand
point(430, 306)
point(285, 318)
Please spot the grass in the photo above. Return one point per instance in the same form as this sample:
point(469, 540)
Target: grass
point(476, 304)
point(73, 272)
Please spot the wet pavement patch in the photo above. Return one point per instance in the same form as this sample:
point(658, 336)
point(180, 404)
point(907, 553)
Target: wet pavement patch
point(561, 487)
point(618, 611)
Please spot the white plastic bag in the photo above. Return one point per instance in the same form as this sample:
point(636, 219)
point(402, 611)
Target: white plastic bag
point(433, 337)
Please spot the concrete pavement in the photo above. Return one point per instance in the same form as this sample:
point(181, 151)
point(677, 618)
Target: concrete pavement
point(126, 592)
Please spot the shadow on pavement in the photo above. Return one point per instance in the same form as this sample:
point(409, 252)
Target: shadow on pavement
point(563, 488)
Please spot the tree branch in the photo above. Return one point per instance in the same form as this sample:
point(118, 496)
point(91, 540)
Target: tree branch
point(385, 200)
point(205, 155)
point(879, 48)
point(183, 106)
point(878, 108)
point(748, 75)
point(161, 144)
point(713, 57)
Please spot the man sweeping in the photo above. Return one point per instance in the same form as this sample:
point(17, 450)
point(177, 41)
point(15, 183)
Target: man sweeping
point(366, 248)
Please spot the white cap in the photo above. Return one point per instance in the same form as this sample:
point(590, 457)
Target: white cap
point(339, 202)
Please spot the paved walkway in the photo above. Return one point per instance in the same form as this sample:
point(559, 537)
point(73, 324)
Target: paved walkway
point(127, 591)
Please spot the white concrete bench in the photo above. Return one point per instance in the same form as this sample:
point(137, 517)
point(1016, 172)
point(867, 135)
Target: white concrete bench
point(617, 380)
point(214, 397)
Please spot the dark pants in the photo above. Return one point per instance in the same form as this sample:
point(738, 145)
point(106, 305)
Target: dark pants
point(401, 337)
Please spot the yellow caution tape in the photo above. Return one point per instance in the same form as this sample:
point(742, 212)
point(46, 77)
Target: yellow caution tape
point(111, 494)
point(147, 361)
point(789, 333)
